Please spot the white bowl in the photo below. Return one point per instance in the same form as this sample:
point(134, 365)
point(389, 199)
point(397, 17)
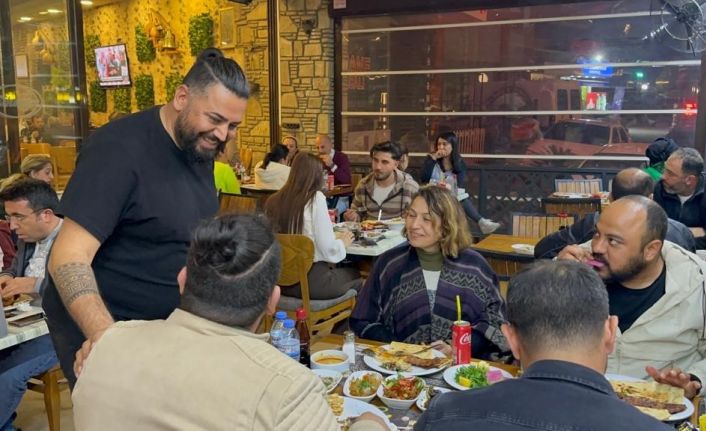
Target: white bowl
point(394, 403)
point(341, 367)
point(358, 375)
point(335, 375)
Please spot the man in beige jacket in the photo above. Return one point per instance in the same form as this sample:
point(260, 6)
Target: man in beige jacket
point(657, 290)
point(204, 368)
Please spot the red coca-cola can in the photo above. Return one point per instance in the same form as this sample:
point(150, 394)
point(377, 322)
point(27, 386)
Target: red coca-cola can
point(461, 342)
point(330, 181)
point(332, 215)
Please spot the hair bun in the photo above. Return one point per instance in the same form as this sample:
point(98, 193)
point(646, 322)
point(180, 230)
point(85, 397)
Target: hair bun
point(209, 54)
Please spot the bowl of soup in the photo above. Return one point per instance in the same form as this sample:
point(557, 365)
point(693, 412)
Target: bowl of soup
point(334, 360)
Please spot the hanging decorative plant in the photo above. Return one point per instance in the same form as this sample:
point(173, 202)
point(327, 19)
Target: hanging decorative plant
point(92, 42)
point(99, 100)
point(144, 46)
point(171, 83)
point(144, 91)
point(200, 33)
point(121, 100)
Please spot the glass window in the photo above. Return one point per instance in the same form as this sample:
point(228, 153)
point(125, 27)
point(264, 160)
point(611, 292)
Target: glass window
point(41, 82)
point(557, 80)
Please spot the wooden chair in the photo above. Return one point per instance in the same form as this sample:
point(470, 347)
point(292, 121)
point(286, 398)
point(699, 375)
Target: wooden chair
point(581, 207)
point(50, 384)
point(355, 179)
point(539, 225)
point(64, 159)
point(579, 186)
point(239, 204)
point(40, 148)
point(297, 259)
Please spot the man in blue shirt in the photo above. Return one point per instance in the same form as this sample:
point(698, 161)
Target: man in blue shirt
point(560, 329)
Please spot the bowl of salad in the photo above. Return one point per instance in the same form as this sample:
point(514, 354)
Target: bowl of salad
point(399, 392)
point(362, 385)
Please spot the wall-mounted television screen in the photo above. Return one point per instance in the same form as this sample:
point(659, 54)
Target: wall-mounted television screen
point(112, 65)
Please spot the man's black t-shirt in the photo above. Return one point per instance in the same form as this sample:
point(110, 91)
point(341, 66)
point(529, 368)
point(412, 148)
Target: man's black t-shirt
point(135, 191)
point(630, 304)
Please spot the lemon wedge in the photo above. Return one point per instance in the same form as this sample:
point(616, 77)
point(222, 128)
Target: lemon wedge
point(464, 381)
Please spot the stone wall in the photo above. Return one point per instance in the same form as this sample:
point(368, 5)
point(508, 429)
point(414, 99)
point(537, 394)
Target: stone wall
point(306, 67)
point(115, 23)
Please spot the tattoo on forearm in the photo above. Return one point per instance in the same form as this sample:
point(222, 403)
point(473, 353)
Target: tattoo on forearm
point(74, 280)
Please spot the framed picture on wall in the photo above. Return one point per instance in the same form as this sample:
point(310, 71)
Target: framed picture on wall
point(226, 27)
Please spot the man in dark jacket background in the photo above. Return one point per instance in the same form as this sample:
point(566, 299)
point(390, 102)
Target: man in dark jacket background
point(564, 355)
point(681, 191)
point(631, 181)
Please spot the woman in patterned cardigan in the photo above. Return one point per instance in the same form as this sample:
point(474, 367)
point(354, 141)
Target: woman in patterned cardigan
point(410, 294)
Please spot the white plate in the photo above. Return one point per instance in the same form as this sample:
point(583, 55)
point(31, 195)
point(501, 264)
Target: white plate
point(686, 414)
point(423, 397)
point(354, 408)
point(572, 195)
point(329, 373)
point(523, 249)
point(450, 375)
point(414, 371)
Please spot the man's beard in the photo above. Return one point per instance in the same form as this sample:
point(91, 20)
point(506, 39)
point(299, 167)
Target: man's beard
point(187, 138)
point(382, 176)
point(635, 265)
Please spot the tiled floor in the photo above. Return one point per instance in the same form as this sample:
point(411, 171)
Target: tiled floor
point(31, 415)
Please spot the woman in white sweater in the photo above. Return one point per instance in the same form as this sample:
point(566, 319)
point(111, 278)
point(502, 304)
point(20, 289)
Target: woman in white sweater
point(300, 208)
point(272, 172)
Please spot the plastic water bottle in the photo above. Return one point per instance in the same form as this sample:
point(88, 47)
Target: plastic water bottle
point(277, 331)
point(289, 344)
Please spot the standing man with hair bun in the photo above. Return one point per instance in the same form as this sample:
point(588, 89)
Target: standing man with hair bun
point(141, 184)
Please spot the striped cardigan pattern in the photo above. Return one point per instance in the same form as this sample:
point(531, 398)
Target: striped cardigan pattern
point(394, 305)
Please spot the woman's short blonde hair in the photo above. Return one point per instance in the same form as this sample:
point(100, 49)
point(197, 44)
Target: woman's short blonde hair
point(34, 162)
point(449, 219)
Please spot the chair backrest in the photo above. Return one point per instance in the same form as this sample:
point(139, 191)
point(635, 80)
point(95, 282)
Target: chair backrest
point(246, 158)
point(238, 204)
point(539, 225)
point(355, 179)
point(593, 185)
point(64, 158)
point(297, 259)
point(37, 148)
point(580, 207)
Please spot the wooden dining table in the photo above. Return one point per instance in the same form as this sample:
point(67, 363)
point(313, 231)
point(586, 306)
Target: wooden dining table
point(505, 261)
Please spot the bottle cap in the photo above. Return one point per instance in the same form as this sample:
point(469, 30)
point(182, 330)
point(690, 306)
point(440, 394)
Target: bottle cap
point(301, 314)
point(281, 315)
point(289, 324)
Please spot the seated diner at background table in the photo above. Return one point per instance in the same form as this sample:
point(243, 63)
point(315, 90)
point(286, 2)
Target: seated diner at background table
point(37, 166)
point(300, 208)
point(386, 192)
point(292, 148)
point(630, 181)
point(682, 191)
point(658, 152)
point(445, 165)
point(655, 288)
point(30, 206)
point(223, 175)
point(335, 163)
point(560, 330)
point(221, 374)
point(411, 292)
point(272, 172)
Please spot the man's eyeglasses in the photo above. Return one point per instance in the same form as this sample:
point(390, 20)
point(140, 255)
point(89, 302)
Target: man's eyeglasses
point(19, 218)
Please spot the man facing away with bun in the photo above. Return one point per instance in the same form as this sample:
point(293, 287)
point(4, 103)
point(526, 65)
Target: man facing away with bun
point(220, 374)
point(141, 184)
